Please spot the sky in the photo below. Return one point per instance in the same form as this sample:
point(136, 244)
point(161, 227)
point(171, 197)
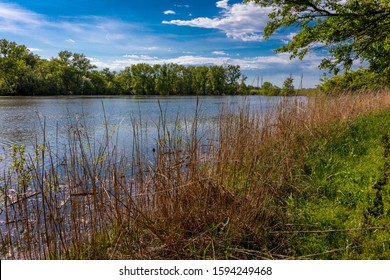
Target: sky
point(116, 34)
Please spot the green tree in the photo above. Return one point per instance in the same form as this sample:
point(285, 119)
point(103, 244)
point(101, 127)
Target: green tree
point(143, 79)
point(124, 79)
point(188, 80)
point(288, 87)
point(352, 81)
point(243, 88)
point(73, 69)
point(269, 89)
point(200, 82)
point(233, 75)
point(350, 30)
point(216, 80)
point(17, 69)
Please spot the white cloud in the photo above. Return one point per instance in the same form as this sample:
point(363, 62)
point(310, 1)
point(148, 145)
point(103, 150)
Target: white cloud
point(153, 48)
point(224, 4)
point(288, 38)
point(91, 33)
point(181, 6)
point(10, 13)
point(34, 49)
point(291, 35)
point(139, 57)
point(219, 53)
point(14, 19)
point(169, 12)
point(239, 21)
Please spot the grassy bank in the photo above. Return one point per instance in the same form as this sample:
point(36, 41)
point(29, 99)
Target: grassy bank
point(302, 180)
point(342, 208)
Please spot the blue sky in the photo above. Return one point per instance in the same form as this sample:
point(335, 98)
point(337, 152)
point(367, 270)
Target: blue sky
point(116, 34)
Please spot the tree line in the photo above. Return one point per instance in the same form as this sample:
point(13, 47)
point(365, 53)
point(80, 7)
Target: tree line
point(25, 73)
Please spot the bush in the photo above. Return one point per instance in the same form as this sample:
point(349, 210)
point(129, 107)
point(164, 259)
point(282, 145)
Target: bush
point(359, 80)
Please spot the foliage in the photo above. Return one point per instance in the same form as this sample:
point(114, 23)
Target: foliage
point(23, 73)
point(269, 89)
point(352, 81)
point(17, 68)
point(351, 30)
point(288, 87)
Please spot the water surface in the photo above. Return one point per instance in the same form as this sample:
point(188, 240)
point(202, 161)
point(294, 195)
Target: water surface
point(23, 119)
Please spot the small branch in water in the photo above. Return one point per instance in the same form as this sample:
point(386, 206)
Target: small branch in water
point(83, 194)
point(23, 198)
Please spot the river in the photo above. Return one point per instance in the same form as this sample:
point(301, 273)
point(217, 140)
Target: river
point(23, 119)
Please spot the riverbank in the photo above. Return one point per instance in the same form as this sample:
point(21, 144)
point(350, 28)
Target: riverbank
point(341, 209)
point(302, 180)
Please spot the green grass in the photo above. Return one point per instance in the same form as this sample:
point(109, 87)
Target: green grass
point(339, 212)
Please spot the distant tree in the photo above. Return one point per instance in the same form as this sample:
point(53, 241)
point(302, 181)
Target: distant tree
point(243, 89)
point(233, 75)
point(288, 87)
point(188, 80)
point(124, 79)
point(17, 69)
point(269, 89)
point(200, 83)
point(143, 79)
point(216, 80)
point(73, 69)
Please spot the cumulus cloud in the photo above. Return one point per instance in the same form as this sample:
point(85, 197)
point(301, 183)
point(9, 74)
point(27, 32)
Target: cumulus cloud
point(238, 21)
point(224, 4)
point(70, 41)
point(169, 12)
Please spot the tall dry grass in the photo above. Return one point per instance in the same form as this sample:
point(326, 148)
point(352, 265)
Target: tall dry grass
point(197, 194)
